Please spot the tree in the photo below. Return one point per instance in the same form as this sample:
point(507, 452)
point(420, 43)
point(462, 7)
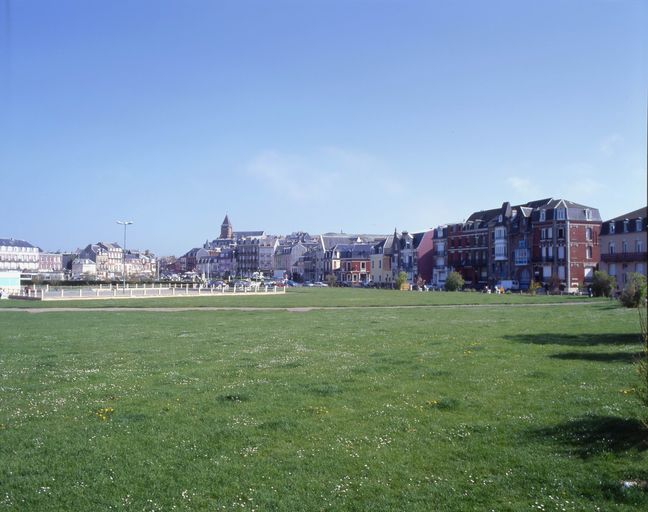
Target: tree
point(454, 282)
point(602, 284)
point(331, 280)
point(634, 292)
point(401, 280)
point(534, 287)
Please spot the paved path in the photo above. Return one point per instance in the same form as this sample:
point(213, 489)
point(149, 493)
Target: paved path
point(304, 309)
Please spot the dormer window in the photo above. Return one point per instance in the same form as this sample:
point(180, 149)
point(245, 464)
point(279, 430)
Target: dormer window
point(588, 214)
point(543, 215)
point(560, 214)
point(625, 226)
point(612, 227)
point(638, 224)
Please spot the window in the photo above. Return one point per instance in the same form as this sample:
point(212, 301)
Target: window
point(561, 233)
point(588, 233)
point(550, 251)
point(638, 246)
point(625, 226)
point(638, 224)
point(639, 268)
point(588, 252)
point(611, 248)
point(588, 214)
point(612, 228)
point(543, 215)
point(624, 247)
point(560, 214)
point(561, 253)
point(561, 272)
point(543, 252)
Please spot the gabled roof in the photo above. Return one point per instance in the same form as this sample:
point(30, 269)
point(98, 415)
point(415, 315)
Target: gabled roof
point(525, 211)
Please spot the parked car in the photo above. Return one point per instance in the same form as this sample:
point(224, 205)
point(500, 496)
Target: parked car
point(508, 284)
point(320, 284)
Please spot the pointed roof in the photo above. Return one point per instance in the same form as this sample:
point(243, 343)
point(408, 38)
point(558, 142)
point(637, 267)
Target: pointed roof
point(226, 221)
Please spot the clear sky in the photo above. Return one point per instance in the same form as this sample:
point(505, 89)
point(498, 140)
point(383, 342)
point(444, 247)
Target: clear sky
point(311, 115)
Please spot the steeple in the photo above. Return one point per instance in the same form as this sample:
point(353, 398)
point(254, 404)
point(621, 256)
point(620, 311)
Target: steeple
point(226, 228)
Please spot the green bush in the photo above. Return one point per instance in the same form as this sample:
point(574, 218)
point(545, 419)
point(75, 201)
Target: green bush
point(534, 287)
point(454, 282)
point(634, 292)
point(401, 280)
point(602, 284)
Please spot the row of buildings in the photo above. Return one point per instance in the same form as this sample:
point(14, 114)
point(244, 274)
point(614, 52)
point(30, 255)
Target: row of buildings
point(550, 241)
point(102, 261)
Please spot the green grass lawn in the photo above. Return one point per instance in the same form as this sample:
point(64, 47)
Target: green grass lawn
point(310, 297)
point(429, 409)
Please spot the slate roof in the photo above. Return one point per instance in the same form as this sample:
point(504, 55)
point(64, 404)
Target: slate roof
point(575, 211)
point(417, 239)
point(362, 250)
point(641, 212)
point(619, 222)
point(12, 242)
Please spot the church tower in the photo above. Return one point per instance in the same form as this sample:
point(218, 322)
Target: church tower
point(226, 229)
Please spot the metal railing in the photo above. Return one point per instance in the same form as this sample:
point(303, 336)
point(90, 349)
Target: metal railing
point(47, 292)
point(624, 256)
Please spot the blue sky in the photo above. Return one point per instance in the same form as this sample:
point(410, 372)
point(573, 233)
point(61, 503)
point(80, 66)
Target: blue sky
point(312, 115)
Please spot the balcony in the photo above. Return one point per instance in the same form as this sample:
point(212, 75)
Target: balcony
point(624, 256)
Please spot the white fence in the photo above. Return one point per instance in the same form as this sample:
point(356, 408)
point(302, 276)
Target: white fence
point(47, 292)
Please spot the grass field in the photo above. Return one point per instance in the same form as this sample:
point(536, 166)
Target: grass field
point(309, 297)
point(485, 408)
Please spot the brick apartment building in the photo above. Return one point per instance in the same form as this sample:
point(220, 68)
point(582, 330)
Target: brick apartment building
point(548, 240)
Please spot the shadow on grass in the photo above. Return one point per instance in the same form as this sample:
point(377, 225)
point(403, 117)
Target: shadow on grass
point(601, 357)
point(577, 340)
point(593, 435)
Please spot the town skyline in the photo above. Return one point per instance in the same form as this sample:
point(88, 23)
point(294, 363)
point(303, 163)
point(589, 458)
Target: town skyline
point(117, 240)
point(320, 116)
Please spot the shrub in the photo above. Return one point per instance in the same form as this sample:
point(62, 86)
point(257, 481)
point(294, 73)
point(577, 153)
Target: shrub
point(534, 287)
point(634, 292)
point(454, 282)
point(401, 281)
point(602, 284)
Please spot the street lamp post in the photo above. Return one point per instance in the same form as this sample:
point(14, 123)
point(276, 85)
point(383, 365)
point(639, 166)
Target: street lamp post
point(124, 223)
